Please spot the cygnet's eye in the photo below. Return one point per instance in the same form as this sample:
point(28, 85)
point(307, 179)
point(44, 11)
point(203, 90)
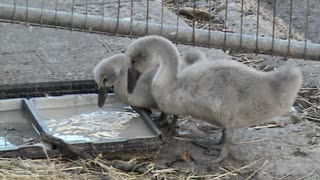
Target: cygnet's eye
point(133, 61)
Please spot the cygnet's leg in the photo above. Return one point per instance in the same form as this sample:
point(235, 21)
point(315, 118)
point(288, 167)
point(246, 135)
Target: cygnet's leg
point(225, 136)
point(223, 144)
point(207, 143)
point(226, 142)
point(172, 125)
point(148, 112)
point(160, 120)
point(163, 116)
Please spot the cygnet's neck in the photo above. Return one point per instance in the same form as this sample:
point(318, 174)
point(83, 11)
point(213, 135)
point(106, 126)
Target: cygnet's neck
point(120, 86)
point(169, 57)
point(166, 76)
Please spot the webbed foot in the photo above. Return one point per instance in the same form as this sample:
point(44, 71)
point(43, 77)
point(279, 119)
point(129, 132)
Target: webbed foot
point(172, 127)
point(224, 145)
point(163, 116)
point(161, 121)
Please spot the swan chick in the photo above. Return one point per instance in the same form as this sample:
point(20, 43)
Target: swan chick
point(105, 73)
point(112, 72)
point(224, 93)
point(138, 52)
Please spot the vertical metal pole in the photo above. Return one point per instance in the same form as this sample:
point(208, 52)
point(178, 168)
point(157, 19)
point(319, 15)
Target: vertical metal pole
point(147, 18)
point(177, 30)
point(306, 35)
point(41, 15)
point(56, 14)
point(273, 25)
point(86, 21)
point(27, 12)
point(225, 26)
point(193, 23)
point(131, 19)
point(209, 24)
point(257, 33)
point(102, 20)
point(290, 29)
point(72, 9)
point(161, 25)
point(118, 18)
point(14, 10)
point(241, 25)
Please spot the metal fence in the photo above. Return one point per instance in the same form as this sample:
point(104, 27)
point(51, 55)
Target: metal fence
point(287, 28)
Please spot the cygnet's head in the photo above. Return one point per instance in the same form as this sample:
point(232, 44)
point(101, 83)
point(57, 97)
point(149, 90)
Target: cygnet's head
point(106, 73)
point(142, 54)
point(139, 54)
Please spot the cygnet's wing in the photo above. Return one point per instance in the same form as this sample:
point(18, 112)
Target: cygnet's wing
point(218, 75)
point(142, 92)
point(192, 56)
point(226, 87)
point(225, 82)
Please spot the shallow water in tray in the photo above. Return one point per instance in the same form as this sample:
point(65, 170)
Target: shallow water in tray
point(91, 124)
point(15, 129)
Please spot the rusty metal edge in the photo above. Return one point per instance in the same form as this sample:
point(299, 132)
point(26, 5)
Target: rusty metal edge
point(40, 89)
point(148, 121)
point(25, 109)
point(38, 124)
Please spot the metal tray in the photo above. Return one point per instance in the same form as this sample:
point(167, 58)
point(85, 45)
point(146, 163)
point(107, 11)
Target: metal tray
point(78, 120)
point(17, 124)
point(40, 89)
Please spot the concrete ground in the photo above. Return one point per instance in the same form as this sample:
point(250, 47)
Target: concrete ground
point(34, 54)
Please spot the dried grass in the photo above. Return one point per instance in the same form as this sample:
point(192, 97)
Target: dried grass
point(308, 103)
point(16, 168)
point(59, 169)
point(200, 18)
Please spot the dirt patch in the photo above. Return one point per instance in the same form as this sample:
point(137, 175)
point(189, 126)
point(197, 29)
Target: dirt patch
point(303, 27)
point(286, 149)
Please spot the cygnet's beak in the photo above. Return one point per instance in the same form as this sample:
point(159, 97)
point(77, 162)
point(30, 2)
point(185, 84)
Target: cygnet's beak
point(133, 77)
point(103, 93)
